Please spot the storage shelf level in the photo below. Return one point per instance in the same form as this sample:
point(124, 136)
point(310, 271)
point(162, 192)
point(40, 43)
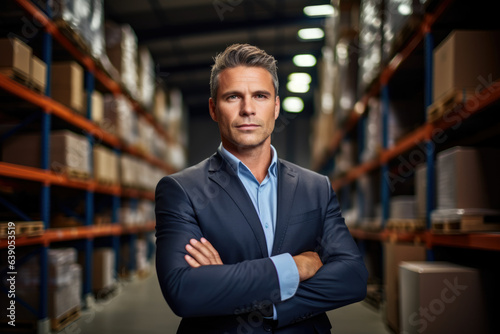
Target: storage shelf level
point(484, 241)
point(76, 233)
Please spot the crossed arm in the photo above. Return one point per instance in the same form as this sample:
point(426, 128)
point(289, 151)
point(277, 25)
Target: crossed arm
point(202, 253)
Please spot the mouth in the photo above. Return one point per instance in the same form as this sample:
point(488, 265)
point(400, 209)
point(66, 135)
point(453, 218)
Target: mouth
point(247, 126)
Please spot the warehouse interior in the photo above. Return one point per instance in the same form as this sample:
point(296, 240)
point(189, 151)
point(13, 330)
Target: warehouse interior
point(396, 101)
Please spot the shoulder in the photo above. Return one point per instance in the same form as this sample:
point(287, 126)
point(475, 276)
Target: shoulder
point(302, 172)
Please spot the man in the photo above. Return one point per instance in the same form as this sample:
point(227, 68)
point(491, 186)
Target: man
point(246, 242)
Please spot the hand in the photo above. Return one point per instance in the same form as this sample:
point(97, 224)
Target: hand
point(308, 263)
point(201, 253)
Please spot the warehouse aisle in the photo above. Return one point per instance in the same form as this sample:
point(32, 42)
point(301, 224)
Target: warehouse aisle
point(140, 308)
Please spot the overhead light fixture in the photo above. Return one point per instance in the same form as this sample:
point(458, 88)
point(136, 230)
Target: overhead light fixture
point(304, 60)
point(297, 87)
point(300, 77)
point(311, 33)
point(405, 9)
point(293, 104)
point(320, 10)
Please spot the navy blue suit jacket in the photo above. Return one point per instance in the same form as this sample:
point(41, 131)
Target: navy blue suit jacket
point(208, 200)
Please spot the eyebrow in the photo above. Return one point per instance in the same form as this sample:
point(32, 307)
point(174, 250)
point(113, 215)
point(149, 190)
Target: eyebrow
point(236, 92)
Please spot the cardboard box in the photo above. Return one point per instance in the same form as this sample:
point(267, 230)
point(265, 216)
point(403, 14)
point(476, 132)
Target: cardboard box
point(97, 111)
point(38, 74)
point(394, 254)
point(440, 297)
point(105, 165)
point(466, 60)
point(67, 85)
point(15, 58)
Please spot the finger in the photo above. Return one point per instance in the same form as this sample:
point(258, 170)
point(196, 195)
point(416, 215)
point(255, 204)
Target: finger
point(207, 250)
point(212, 249)
point(192, 262)
point(197, 255)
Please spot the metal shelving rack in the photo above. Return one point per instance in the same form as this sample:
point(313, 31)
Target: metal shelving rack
point(47, 178)
point(420, 136)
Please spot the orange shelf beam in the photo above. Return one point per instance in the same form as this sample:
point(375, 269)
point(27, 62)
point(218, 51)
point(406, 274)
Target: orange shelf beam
point(484, 241)
point(407, 143)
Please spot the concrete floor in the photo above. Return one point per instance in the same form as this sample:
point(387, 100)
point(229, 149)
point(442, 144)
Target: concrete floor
point(139, 308)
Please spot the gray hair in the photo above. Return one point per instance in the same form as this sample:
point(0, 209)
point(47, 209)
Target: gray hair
point(242, 55)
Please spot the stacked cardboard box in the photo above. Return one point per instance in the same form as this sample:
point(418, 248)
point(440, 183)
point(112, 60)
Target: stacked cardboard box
point(15, 58)
point(67, 85)
point(69, 152)
point(120, 118)
point(121, 47)
point(106, 168)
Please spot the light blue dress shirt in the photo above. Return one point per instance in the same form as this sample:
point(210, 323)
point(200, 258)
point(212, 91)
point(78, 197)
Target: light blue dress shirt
point(265, 200)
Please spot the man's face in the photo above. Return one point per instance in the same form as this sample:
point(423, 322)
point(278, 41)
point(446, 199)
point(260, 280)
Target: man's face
point(246, 108)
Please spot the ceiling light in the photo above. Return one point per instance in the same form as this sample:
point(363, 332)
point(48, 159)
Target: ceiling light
point(311, 33)
point(300, 77)
point(405, 9)
point(297, 87)
point(293, 104)
point(305, 60)
point(321, 10)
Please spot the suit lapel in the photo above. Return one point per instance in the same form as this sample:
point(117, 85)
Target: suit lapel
point(221, 173)
point(287, 184)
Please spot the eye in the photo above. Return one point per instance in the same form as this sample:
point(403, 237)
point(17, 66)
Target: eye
point(232, 97)
point(261, 96)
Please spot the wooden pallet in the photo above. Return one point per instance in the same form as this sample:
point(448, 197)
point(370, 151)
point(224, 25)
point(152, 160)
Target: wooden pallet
point(448, 102)
point(11, 73)
point(64, 320)
point(77, 174)
point(467, 224)
point(405, 225)
point(22, 229)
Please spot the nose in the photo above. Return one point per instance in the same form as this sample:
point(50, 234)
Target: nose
point(247, 107)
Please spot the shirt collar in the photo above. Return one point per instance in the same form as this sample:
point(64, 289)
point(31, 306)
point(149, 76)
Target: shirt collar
point(236, 163)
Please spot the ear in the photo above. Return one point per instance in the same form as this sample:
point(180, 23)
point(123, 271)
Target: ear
point(277, 107)
point(211, 107)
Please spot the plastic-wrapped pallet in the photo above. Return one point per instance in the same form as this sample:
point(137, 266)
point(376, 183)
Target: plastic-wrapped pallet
point(398, 14)
point(146, 78)
point(69, 152)
point(370, 42)
point(103, 273)
point(121, 47)
point(347, 65)
point(467, 188)
point(373, 137)
point(86, 18)
point(402, 207)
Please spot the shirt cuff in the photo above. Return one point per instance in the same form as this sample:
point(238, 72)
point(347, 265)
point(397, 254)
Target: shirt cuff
point(288, 275)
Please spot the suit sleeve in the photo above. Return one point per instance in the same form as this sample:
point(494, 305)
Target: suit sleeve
point(339, 282)
point(207, 290)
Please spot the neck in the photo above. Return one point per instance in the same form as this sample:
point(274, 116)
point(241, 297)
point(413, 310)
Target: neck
point(257, 159)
